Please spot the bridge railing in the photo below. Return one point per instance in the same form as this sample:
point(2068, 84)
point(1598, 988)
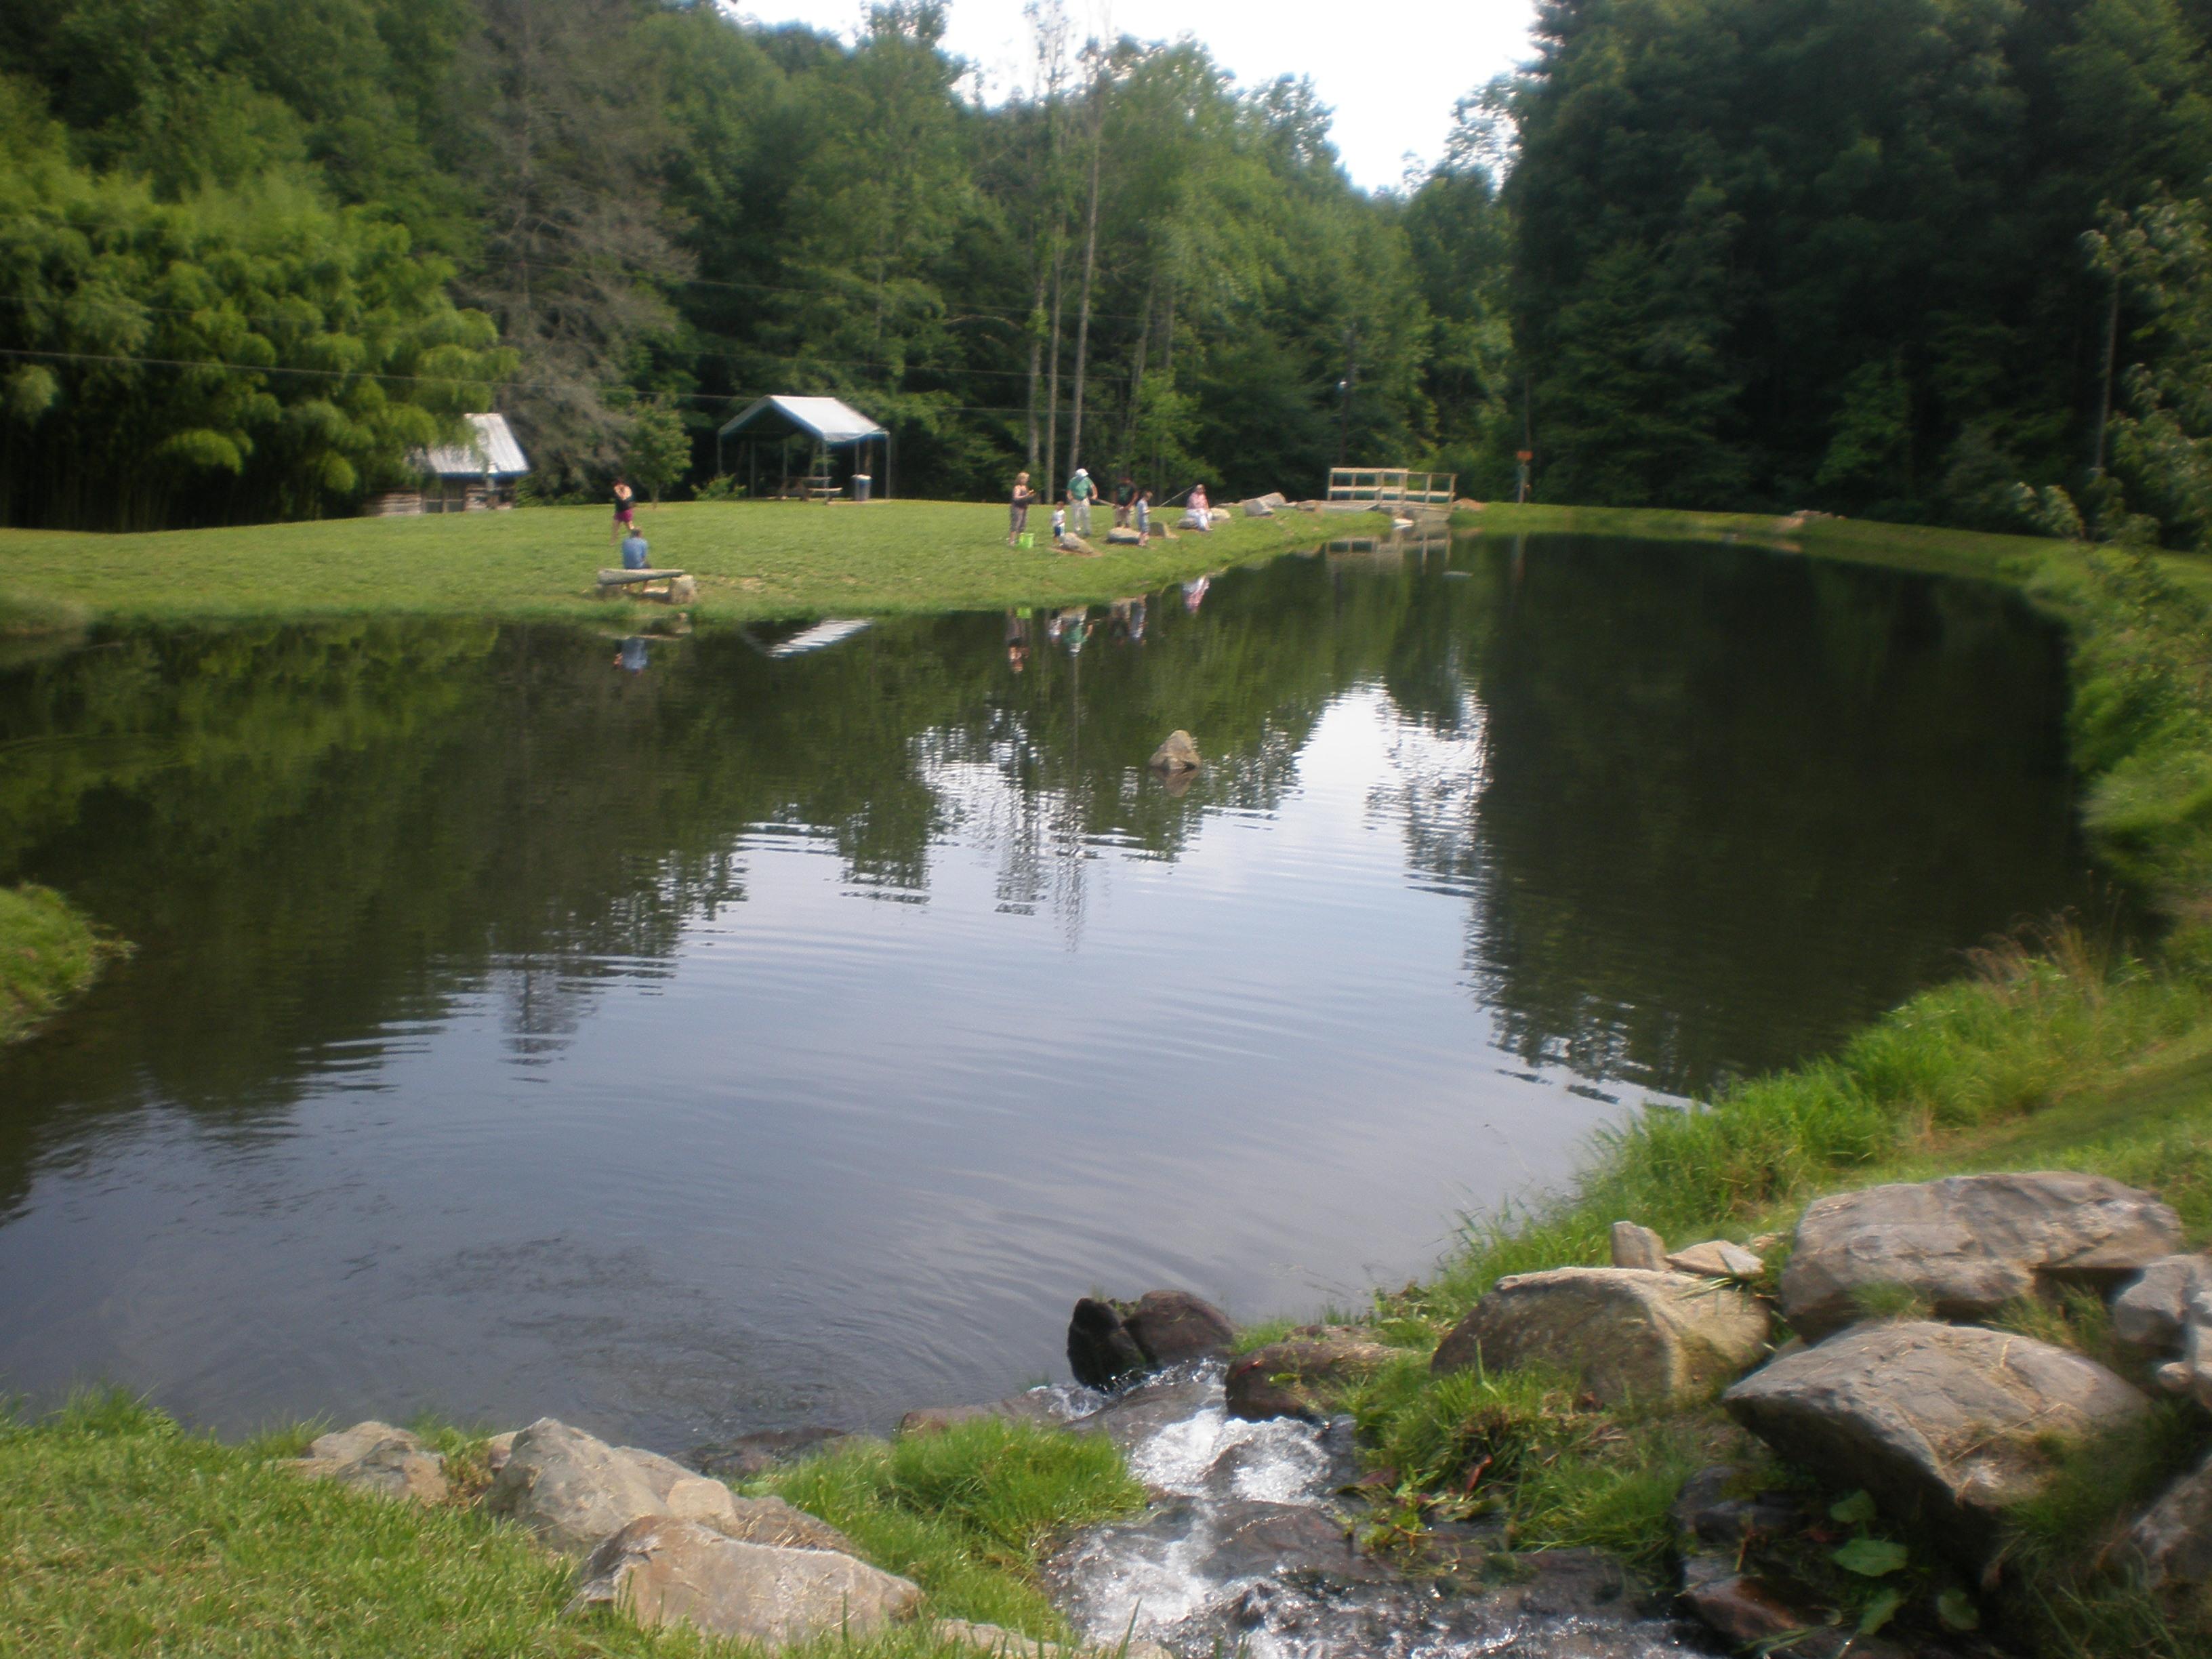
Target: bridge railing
point(1392, 486)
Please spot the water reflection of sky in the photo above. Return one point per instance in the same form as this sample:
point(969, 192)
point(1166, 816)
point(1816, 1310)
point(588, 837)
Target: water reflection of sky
point(828, 1110)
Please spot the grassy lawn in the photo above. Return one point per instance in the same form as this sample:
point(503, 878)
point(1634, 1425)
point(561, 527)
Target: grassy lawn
point(753, 560)
point(49, 953)
point(123, 1535)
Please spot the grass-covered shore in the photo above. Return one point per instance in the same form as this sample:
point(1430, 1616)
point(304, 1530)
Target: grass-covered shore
point(121, 1535)
point(753, 560)
point(49, 954)
point(2049, 1053)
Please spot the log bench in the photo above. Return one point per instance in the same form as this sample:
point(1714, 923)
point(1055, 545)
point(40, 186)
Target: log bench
point(681, 589)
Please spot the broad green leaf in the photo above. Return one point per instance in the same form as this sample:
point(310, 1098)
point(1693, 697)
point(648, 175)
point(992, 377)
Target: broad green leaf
point(1870, 1557)
point(1956, 1609)
point(1879, 1610)
point(1855, 1511)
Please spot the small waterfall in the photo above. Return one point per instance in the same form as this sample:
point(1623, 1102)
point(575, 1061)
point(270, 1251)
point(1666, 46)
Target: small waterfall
point(1247, 1548)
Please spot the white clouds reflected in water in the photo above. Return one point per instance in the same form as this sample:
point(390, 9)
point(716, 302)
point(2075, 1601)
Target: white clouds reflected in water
point(1390, 71)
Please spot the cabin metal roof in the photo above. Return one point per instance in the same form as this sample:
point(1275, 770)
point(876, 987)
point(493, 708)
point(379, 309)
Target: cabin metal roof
point(491, 448)
point(831, 420)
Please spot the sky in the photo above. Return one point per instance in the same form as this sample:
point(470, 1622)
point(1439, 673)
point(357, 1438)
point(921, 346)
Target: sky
point(1390, 69)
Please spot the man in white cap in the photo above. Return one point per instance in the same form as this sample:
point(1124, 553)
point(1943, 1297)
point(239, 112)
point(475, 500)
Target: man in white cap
point(1080, 489)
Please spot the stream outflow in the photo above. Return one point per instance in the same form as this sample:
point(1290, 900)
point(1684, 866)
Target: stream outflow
point(1247, 1548)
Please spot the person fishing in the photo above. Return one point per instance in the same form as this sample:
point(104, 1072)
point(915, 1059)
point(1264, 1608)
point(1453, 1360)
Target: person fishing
point(634, 551)
point(1080, 489)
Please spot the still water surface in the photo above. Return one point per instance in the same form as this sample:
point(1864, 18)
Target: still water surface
point(685, 1038)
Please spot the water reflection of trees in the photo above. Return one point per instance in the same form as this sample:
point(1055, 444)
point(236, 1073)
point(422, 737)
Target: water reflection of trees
point(1645, 769)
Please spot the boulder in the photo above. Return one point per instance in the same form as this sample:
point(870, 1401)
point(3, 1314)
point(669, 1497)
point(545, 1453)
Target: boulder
point(572, 1489)
point(1178, 753)
point(1100, 1350)
point(498, 1449)
point(2172, 1539)
point(1637, 1247)
point(1718, 1259)
point(1288, 1378)
point(1121, 536)
point(1627, 1332)
point(1257, 508)
point(1174, 1327)
point(2152, 1313)
point(664, 1570)
point(683, 590)
point(375, 1457)
point(1968, 1244)
point(1946, 1425)
point(751, 1455)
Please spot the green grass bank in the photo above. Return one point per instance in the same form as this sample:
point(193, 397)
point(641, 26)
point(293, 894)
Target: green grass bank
point(122, 1535)
point(2051, 1051)
point(753, 560)
point(50, 953)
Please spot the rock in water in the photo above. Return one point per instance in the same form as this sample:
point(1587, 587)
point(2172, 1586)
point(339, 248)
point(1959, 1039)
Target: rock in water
point(1946, 1425)
point(1178, 754)
point(572, 1489)
point(1100, 1351)
point(1968, 1244)
point(1288, 1378)
point(1172, 1327)
point(749, 1456)
point(664, 1570)
point(1658, 1338)
point(1637, 1247)
point(1034, 1406)
point(2172, 1541)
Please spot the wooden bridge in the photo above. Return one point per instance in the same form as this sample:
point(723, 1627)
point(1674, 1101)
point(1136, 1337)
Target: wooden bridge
point(1390, 489)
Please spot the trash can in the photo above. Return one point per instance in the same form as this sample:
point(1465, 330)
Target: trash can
point(861, 482)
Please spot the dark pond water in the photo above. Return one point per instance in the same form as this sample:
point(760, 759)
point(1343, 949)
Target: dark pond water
point(687, 1038)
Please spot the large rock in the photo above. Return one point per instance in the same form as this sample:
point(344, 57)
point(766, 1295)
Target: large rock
point(2191, 1373)
point(2152, 1313)
point(664, 1570)
point(1290, 1378)
point(1968, 1244)
point(1174, 1327)
point(1627, 1332)
point(376, 1457)
point(2172, 1541)
point(1946, 1425)
point(573, 1489)
point(1100, 1351)
point(1716, 1258)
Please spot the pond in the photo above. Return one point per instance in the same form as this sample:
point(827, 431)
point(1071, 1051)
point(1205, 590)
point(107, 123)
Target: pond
point(759, 1028)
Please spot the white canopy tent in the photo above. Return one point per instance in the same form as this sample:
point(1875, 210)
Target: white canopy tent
point(827, 426)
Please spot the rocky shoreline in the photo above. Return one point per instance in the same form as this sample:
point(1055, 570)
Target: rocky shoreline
point(1870, 1365)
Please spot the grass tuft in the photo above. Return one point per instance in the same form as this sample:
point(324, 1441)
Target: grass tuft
point(49, 954)
point(967, 1514)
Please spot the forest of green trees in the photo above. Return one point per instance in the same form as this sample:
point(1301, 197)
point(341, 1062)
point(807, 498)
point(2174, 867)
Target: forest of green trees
point(1938, 260)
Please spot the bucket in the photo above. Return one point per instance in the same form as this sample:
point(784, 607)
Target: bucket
point(1027, 538)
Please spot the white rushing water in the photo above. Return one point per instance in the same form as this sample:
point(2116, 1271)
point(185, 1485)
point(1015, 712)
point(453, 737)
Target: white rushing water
point(1247, 1549)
